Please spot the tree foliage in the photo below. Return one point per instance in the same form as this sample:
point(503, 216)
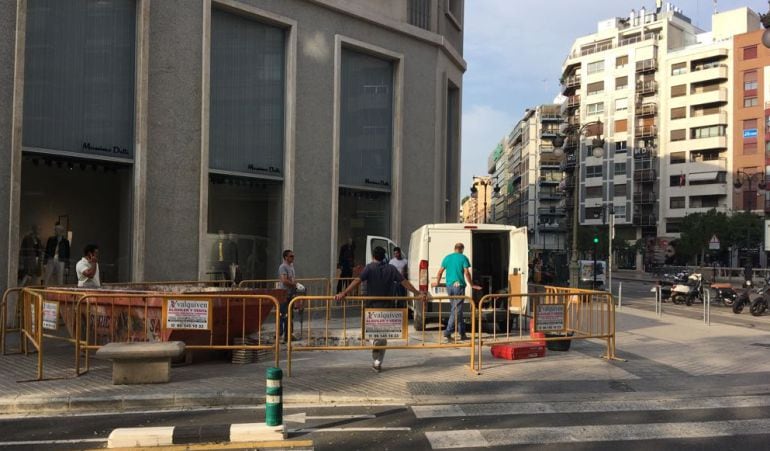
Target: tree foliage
point(742, 230)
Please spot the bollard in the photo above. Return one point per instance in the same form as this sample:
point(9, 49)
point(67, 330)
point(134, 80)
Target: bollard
point(273, 397)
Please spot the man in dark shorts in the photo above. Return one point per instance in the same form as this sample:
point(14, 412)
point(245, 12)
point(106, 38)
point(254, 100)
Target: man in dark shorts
point(380, 278)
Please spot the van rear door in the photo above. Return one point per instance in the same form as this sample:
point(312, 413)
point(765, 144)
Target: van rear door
point(518, 263)
point(442, 243)
point(374, 241)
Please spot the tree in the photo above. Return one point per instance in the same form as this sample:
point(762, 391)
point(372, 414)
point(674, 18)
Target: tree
point(697, 230)
point(745, 231)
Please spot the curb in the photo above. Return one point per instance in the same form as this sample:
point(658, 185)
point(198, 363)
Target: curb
point(188, 435)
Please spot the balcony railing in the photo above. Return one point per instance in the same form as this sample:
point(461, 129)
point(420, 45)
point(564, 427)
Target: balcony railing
point(548, 132)
point(551, 211)
point(645, 198)
point(646, 109)
point(550, 116)
point(645, 153)
point(645, 220)
point(646, 87)
point(572, 81)
point(647, 65)
point(646, 131)
point(573, 101)
point(644, 175)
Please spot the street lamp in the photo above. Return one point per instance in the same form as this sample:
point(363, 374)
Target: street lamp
point(749, 178)
point(597, 150)
point(484, 181)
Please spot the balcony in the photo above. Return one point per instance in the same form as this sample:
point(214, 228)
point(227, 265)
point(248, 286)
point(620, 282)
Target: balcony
point(549, 132)
point(645, 197)
point(573, 101)
point(574, 121)
point(571, 83)
point(547, 180)
point(550, 116)
point(646, 87)
point(646, 109)
point(715, 71)
point(644, 175)
point(638, 38)
point(553, 227)
point(708, 119)
point(645, 220)
point(551, 211)
point(550, 194)
point(568, 163)
point(646, 131)
point(703, 97)
point(648, 65)
point(714, 142)
point(645, 153)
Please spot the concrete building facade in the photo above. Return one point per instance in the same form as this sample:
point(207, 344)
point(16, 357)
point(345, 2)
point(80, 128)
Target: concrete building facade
point(661, 88)
point(183, 137)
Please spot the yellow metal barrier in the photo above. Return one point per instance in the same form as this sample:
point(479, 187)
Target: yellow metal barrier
point(4, 315)
point(343, 326)
point(570, 314)
point(87, 324)
point(314, 286)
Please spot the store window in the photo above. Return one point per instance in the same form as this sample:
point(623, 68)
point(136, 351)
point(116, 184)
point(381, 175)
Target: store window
point(79, 77)
point(366, 148)
point(246, 149)
point(78, 113)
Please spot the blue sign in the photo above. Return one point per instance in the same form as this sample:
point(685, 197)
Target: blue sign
point(750, 133)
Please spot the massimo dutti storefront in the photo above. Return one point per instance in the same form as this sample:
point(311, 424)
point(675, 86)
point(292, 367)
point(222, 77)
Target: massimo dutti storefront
point(198, 139)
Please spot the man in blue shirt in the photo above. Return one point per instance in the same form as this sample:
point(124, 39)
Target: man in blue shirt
point(457, 267)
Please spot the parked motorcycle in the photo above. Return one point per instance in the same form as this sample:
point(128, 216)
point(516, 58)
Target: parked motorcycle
point(688, 292)
point(758, 305)
point(749, 294)
point(668, 281)
point(724, 293)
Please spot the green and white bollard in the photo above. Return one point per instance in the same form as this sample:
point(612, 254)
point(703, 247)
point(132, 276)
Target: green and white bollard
point(273, 397)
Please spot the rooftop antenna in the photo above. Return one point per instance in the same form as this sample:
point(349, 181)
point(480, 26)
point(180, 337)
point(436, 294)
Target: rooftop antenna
point(715, 7)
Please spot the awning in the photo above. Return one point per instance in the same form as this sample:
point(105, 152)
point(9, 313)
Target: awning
point(703, 176)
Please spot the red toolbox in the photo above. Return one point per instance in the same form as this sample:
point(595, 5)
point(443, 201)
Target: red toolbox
point(520, 350)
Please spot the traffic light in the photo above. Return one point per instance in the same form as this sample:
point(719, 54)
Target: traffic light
point(596, 239)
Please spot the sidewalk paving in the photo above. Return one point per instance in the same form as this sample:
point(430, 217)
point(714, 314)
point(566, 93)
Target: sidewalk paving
point(666, 357)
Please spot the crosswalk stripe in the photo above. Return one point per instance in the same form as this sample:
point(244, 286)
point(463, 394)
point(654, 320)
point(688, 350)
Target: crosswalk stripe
point(604, 433)
point(532, 408)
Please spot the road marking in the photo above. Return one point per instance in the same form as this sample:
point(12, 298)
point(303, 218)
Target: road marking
point(54, 442)
point(382, 429)
point(603, 433)
point(530, 408)
point(302, 417)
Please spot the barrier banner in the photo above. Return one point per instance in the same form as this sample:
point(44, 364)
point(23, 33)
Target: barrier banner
point(191, 314)
point(549, 317)
point(50, 315)
point(385, 323)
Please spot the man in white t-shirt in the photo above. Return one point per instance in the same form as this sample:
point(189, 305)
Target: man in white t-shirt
point(88, 268)
point(399, 262)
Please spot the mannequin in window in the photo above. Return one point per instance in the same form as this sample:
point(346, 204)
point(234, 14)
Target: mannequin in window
point(222, 255)
point(234, 269)
point(57, 255)
point(31, 257)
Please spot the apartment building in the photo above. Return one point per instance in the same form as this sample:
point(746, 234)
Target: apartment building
point(751, 116)
point(699, 155)
point(655, 87)
point(530, 176)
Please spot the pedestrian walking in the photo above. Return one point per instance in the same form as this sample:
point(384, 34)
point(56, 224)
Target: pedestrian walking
point(458, 271)
point(380, 278)
point(289, 283)
point(400, 263)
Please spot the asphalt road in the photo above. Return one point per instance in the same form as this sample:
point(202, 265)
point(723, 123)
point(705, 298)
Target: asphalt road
point(696, 423)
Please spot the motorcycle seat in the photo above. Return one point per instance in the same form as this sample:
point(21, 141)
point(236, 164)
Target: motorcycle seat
point(721, 285)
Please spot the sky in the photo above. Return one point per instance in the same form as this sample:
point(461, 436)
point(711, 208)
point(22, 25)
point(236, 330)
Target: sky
point(515, 49)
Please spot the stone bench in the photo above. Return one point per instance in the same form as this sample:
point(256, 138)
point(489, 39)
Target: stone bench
point(141, 363)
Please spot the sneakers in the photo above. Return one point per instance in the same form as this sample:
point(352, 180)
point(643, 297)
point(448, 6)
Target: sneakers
point(447, 339)
point(377, 366)
point(463, 337)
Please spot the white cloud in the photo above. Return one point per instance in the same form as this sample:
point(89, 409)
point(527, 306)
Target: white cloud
point(483, 128)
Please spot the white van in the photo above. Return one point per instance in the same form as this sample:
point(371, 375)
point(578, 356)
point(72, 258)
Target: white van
point(495, 251)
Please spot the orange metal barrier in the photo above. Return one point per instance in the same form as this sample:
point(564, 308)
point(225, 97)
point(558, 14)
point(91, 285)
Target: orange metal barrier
point(314, 286)
point(566, 314)
point(213, 332)
point(353, 324)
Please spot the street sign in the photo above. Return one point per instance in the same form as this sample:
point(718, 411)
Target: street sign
point(714, 243)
